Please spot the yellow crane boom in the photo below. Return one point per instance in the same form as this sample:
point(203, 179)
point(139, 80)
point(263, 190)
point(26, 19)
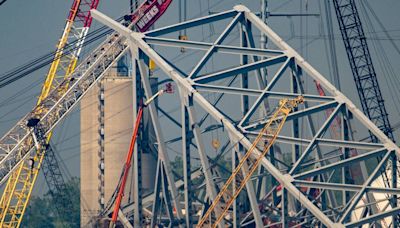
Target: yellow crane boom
point(236, 182)
point(19, 187)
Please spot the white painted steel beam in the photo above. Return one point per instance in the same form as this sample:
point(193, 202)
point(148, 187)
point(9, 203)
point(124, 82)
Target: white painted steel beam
point(185, 85)
point(191, 87)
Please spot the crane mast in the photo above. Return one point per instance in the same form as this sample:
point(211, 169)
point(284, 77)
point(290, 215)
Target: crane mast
point(56, 101)
point(361, 66)
point(34, 129)
point(237, 181)
point(15, 146)
point(19, 187)
point(363, 70)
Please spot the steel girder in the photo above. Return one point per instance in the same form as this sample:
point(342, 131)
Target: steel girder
point(195, 85)
point(322, 159)
point(17, 143)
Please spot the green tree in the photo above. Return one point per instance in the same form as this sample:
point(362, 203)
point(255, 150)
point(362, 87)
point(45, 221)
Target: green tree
point(41, 211)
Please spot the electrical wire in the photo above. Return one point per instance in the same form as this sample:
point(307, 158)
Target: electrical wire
point(332, 46)
point(2, 2)
point(50, 55)
point(46, 56)
point(66, 173)
point(47, 64)
point(44, 60)
point(389, 75)
point(39, 63)
point(33, 96)
point(382, 26)
point(335, 37)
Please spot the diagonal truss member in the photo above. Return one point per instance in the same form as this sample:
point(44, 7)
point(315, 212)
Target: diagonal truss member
point(236, 182)
point(57, 106)
point(19, 187)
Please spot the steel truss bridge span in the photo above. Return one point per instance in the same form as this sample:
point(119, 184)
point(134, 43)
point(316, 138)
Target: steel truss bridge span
point(314, 184)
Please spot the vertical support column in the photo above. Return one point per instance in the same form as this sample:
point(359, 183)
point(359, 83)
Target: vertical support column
point(184, 6)
point(162, 151)
point(236, 206)
point(264, 45)
point(295, 206)
point(330, 196)
point(209, 180)
point(261, 74)
point(324, 205)
point(394, 203)
point(273, 181)
point(167, 197)
point(186, 139)
point(101, 165)
point(250, 189)
point(157, 188)
point(323, 202)
point(263, 37)
point(264, 16)
point(345, 170)
point(182, 18)
point(244, 59)
point(251, 195)
point(295, 125)
point(244, 82)
point(137, 156)
point(284, 219)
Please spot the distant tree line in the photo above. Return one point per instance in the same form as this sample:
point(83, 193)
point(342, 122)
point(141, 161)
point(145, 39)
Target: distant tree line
point(41, 212)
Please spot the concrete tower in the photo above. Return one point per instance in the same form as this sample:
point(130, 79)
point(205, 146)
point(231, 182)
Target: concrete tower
point(106, 129)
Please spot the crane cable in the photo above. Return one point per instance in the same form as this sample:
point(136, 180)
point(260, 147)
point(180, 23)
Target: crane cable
point(20, 69)
point(382, 26)
point(48, 55)
point(44, 60)
point(86, 42)
point(8, 74)
point(389, 74)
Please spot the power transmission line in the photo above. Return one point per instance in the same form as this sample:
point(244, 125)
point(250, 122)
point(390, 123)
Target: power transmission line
point(2, 2)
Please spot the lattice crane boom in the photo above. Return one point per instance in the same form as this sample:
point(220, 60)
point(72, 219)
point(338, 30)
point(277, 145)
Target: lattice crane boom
point(363, 70)
point(18, 142)
point(57, 186)
point(16, 145)
point(19, 186)
point(236, 182)
point(55, 106)
point(63, 65)
point(52, 172)
point(361, 65)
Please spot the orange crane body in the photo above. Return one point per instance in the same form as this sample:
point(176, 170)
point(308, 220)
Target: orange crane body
point(127, 166)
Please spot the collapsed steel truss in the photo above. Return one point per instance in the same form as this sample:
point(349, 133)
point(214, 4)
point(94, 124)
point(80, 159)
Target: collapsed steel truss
point(323, 180)
point(194, 87)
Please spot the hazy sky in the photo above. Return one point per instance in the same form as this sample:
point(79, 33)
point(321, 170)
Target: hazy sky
point(29, 29)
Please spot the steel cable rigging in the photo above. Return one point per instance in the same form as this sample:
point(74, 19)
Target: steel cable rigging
point(384, 61)
point(48, 58)
point(42, 61)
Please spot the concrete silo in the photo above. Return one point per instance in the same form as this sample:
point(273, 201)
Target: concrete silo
point(106, 128)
